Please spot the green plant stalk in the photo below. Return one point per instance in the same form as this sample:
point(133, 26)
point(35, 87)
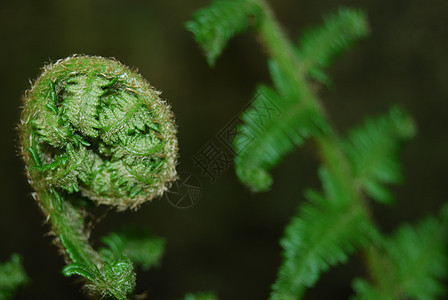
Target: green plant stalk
point(274, 40)
point(281, 50)
point(279, 47)
point(68, 227)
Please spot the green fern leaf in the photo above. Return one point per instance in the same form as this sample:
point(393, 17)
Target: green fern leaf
point(77, 269)
point(274, 124)
point(409, 265)
point(77, 164)
point(82, 97)
point(220, 21)
point(339, 32)
point(12, 276)
point(373, 152)
point(139, 245)
point(323, 233)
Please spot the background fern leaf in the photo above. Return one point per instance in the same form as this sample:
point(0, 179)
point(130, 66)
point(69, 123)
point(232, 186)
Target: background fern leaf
point(373, 152)
point(323, 233)
point(273, 125)
point(139, 245)
point(409, 265)
point(320, 45)
point(12, 276)
point(214, 25)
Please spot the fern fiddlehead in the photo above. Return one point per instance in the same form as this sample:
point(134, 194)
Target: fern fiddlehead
point(93, 129)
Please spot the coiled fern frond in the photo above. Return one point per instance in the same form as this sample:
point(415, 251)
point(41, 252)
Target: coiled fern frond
point(94, 130)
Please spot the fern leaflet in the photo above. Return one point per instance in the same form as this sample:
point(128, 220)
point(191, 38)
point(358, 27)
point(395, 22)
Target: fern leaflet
point(373, 152)
point(220, 21)
point(139, 245)
point(409, 265)
point(318, 46)
point(12, 276)
point(275, 122)
point(324, 232)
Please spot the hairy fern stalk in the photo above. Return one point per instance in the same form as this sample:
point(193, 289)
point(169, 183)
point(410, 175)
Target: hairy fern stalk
point(335, 222)
point(94, 131)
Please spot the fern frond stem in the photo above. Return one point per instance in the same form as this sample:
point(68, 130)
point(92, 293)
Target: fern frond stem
point(68, 227)
point(338, 166)
point(280, 48)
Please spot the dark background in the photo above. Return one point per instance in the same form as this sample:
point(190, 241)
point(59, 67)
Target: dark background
point(228, 242)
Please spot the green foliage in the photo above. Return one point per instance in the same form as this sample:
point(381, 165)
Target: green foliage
point(215, 25)
point(139, 245)
point(320, 45)
point(372, 150)
point(409, 265)
point(323, 233)
point(201, 296)
point(334, 224)
point(264, 139)
point(12, 276)
point(116, 277)
point(261, 145)
point(272, 127)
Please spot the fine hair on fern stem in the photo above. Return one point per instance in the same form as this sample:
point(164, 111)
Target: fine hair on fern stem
point(94, 130)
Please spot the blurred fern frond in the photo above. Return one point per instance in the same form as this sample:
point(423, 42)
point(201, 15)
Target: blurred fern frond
point(323, 233)
point(409, 265)
point(318, 46)
point(373, 149)
point(261, 145)
point(333, 224)
point(12, 276)
point(273, 126)
point(139, 245)
point(215, 25)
